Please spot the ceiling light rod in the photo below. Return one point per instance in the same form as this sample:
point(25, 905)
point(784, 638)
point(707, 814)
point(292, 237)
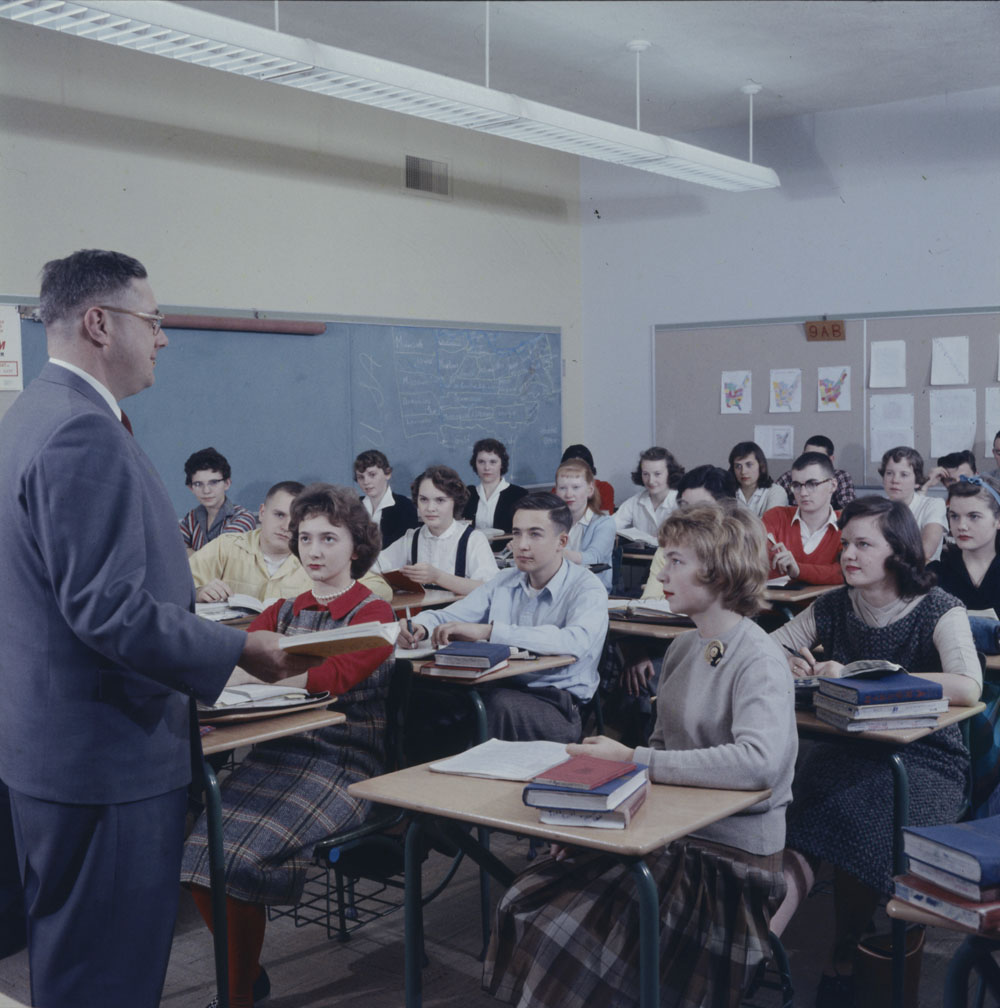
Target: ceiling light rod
point(750, 89)
point(277, 20)
point(193, 36)
point(638, 46)
point(486, 75)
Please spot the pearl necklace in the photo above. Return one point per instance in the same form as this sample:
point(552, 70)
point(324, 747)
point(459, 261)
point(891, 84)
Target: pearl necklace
point(329, 598)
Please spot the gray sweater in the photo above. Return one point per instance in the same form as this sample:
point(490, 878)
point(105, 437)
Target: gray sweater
point(732, 726)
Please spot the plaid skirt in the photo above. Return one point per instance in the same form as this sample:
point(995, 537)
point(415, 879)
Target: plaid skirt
point(284, 798)
point(567, 933)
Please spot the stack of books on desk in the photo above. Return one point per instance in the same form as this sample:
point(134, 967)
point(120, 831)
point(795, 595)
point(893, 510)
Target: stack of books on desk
point(955, 871)
point(893, 700)
point(468, 659)
point(586, 791)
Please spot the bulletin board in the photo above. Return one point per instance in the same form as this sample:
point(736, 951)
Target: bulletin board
point(689, 362)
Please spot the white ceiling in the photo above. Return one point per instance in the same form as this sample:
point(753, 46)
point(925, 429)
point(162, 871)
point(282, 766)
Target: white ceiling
point(809, 55)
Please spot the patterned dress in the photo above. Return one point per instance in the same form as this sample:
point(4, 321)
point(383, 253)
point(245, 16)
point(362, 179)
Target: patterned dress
point(841, 810)
point(291, 793)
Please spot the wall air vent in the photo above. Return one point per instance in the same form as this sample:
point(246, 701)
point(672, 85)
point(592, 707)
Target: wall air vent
point(427, 176)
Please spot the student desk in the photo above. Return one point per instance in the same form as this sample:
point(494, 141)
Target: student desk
point(788, 601)
point(993, 661)
point(225, 737)
point(976, 952)
point(656, 629)
point(669, 812)
point(516, 667)
point(809, 724)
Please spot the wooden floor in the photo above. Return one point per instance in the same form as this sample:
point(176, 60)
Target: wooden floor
point(308, 970)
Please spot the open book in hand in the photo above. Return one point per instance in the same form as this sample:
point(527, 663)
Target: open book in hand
point(235, 606)
point(358, 637)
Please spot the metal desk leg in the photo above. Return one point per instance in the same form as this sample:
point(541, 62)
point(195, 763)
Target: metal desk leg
point(975, 953)
point(900, 817)
point(479, 710)
point(413, 916)
point(649, 935)
point(216, 871)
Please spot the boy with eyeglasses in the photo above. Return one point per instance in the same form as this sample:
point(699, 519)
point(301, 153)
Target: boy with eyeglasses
point(805, 540)
point(208, 475)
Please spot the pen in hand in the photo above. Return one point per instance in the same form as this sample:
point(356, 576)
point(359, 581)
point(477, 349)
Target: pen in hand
point(409, 622)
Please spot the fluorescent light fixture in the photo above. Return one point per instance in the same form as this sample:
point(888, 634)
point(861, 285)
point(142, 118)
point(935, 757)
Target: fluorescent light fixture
point(207, 40)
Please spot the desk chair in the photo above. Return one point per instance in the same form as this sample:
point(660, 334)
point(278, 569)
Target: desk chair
point(782, 983)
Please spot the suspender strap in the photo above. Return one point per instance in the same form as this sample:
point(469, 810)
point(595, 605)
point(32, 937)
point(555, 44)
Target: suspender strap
point(460, 553)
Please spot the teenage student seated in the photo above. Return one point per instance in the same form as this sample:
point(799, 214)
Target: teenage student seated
point(995, 474)
point(843, 794)
point(949, 468)
point(491, 502)
point(592, 535)
point(567, 931)
point(261, 563)
point(289, 794)
point(392, 513)
point(606, 490)
point(753, 486)
point(658, 473)
point(441, 551)
point(546, 605)
point(209, 476)
point(902, 472)
point(805, 540)
point(844, 490)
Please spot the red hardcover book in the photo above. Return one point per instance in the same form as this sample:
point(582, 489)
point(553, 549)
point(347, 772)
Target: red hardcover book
point(584, 773)
point(970, 913)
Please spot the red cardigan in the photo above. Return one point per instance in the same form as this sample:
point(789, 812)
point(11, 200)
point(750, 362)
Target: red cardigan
point(819, 567)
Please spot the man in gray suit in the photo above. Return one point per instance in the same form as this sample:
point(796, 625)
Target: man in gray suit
point(100, 653)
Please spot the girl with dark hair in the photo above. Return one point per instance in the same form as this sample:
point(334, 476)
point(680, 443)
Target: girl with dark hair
point(659, 473)
point(753, 486)
point(491, 503)
point(288, 794)
point(842, 808)
point(441, 550)
point(902, 472)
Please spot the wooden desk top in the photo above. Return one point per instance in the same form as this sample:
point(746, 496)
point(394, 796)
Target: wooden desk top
point(432, 598)
point(668, 813)
point(808, 722)
point(640, 628)
point(516, 667)
point(993, 661)
point(244, 733)
point(792, 595)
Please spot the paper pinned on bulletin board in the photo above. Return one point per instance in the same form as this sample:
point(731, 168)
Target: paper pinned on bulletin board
point(890, 423)
point(776, 442)
point(11, 361)
point(888, 366)
point(950, 361)
point(735, 392)
point(833, 389)
point(953, 420)
point(991, 420)
point(786, 390)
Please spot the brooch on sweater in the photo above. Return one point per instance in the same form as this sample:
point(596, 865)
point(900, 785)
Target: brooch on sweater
point(714, 652)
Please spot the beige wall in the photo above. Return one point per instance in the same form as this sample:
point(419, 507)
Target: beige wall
point(243, 195)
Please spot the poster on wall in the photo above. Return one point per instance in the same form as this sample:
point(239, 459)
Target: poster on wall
point(786, 390)
point(890, 423)
point(991, 422)
point(776, 442)
point(888, 365)
point(953, 420)
point(950, 360)
point(11, 369)
point(833, 389)
point(735, 392)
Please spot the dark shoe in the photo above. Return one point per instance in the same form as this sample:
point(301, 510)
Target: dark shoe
point(261, 990)
point(835, 991)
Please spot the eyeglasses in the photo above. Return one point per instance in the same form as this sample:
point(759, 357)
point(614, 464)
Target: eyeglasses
point(156, 321)
point(211, 484)
point(809, 485)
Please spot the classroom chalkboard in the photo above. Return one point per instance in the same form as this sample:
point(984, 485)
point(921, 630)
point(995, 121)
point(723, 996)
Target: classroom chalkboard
point(301, 407)
point(689, 361)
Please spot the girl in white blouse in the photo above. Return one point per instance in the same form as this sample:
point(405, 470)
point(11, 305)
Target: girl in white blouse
point(751, 481)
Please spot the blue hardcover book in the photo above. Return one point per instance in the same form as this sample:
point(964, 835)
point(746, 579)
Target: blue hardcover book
point(471, 654)
point(896, 687)
point(600, 798)
point(970, 850)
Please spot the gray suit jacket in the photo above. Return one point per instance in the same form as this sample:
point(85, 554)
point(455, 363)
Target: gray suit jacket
point(99, 651)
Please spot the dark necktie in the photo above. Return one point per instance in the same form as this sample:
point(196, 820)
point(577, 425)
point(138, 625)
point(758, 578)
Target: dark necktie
point(126, 422)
